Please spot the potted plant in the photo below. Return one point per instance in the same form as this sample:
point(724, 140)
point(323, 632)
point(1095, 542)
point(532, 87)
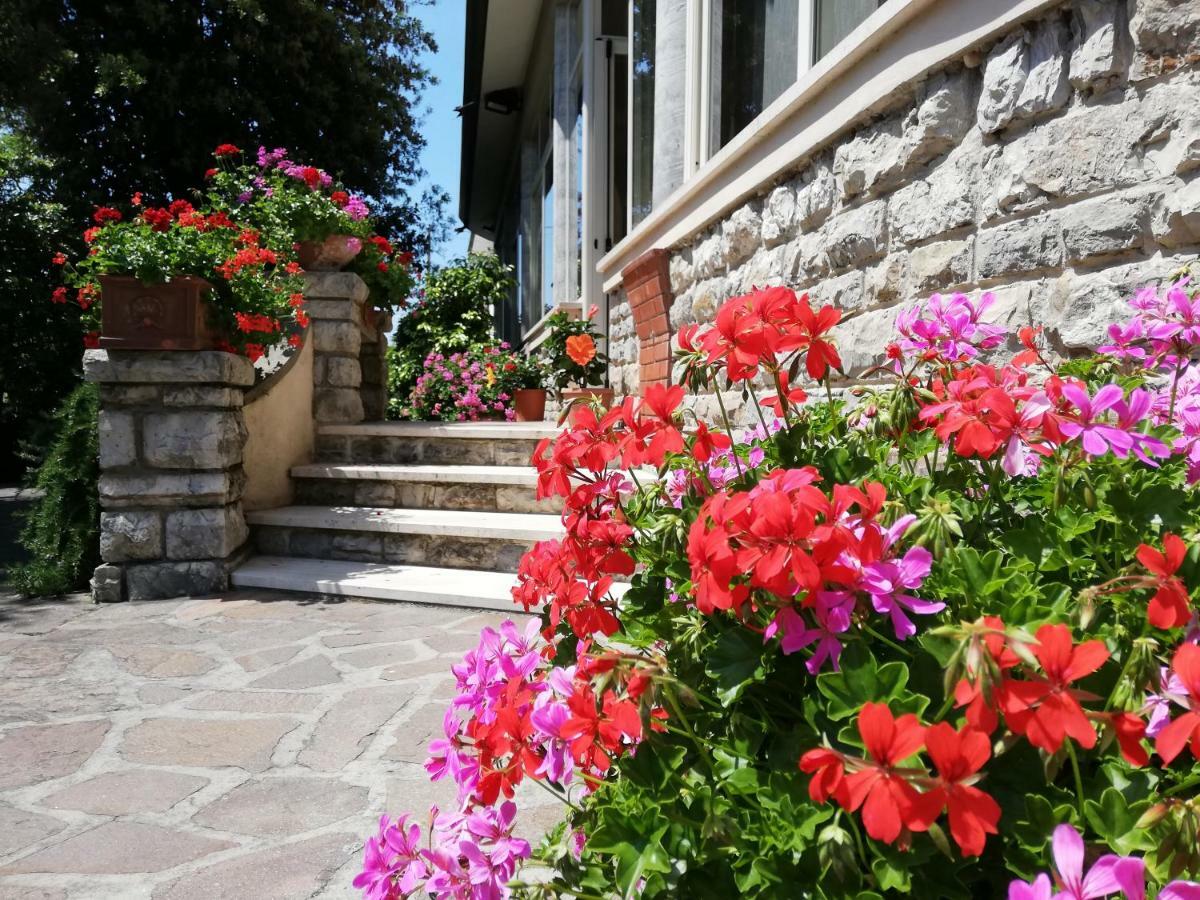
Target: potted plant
point(528, 374)
point(182, 278)
point(298, 204)
point(577, 367)
point(468, 386)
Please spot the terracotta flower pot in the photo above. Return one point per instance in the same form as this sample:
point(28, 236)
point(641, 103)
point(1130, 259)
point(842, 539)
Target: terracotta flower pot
point(328, 255)
point(168, 316)
point(530, 404)
point(573, 399)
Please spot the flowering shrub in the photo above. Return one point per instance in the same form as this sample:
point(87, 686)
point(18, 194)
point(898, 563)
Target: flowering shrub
point(291, 202)
point(938, 639)
point(465, 387)
point(257, 297)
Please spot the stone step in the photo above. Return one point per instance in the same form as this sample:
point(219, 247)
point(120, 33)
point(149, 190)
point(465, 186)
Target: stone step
point(489, 488)
point(422, 537)
point(432, 443)
point(377, 581)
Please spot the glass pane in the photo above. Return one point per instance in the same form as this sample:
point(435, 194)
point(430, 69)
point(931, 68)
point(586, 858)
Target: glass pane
point(642, 61)
point(548, 237)
point(753, 61)
point(614, 18)
point(837, 18)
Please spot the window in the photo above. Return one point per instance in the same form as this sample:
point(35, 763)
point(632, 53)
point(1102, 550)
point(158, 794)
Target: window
point(643, 14)
point(752, 60)
point(547, 245)
point(835, 19)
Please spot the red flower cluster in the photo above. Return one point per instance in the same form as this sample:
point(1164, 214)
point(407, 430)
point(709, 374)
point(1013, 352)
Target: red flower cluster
point(886, 790)
point(1185, 730)
point(105, 214)
point(224, 150)
point(753, 331)
point(246, 258)
point(248, 322)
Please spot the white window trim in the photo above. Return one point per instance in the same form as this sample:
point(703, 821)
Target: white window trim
point(897, 44)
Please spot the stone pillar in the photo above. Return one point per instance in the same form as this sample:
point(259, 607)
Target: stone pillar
point(171, 478)
point(373, 360)
point(670, 76)
point(336, 303)
point(647, 283)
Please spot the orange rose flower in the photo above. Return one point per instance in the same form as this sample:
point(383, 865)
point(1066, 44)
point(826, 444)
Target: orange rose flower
point(581, 348)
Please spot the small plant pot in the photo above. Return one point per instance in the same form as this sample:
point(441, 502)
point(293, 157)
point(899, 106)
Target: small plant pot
point(171, 315)
point(530, 404)
point(573, 399)
point(328, 255)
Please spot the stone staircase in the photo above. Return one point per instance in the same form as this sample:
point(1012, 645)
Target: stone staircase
point(416, 511)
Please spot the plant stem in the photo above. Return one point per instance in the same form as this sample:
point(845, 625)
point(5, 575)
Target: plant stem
point(728, 428)
point(1078, 776)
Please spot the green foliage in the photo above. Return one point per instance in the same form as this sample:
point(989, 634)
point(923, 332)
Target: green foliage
point(454, 313)
point(41, 342)
point(61, 533)
point(569, 337)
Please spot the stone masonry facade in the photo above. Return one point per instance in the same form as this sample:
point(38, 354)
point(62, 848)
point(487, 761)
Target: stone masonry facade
point(1058, 167)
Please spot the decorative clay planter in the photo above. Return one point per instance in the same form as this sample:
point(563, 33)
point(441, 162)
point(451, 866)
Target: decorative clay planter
point(530, 404)
point(573, 399)
point(328, 255)
point(172, 315)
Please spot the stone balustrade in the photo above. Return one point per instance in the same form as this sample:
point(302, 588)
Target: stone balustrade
point(173, 437)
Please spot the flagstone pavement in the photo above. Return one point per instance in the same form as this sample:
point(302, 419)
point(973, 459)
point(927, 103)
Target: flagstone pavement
point(231, 747)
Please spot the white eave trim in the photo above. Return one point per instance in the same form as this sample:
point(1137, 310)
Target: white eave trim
point(897, 45)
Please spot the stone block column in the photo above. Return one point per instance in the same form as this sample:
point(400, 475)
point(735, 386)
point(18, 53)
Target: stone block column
point(336, 303)
point(373, 359)
point(171, 478)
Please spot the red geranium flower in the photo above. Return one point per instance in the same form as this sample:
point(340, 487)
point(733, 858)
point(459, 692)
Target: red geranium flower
point(339, 198)
point(59, 295)
point(1185, 730)
point(1169, 607)
point(224, 150)
point(958, 756)
point(105, 214)
point(1047, 710)
point(890, 805)
point(822, 354)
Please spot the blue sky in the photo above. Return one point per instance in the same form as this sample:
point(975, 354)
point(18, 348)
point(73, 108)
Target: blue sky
point(446, 19)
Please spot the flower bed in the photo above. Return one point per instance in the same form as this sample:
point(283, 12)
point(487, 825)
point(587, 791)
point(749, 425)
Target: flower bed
point(465, 387)
point(936, 640)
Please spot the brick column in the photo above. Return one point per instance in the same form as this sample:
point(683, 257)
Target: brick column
point(171, 479)
point(647, 282)
point(335, 302)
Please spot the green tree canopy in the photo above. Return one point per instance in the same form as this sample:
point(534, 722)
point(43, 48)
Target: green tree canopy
point(102, 98)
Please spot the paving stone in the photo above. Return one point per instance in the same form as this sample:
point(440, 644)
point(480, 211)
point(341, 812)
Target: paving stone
point(438, 665)
point(161, 694)
point(383, 655)
point(246, 743)
point(454, 641)
point(159, 662)
point(281, 873)
point(312, 672)
point(10, 891)
point(19, 828)
point(344, 732)
point(262, 659)
point(119, 848)
point(38, 753)
point(126, 793)
point(275, 807)
point(37, 700)
point(256, 702)
point(414, 733)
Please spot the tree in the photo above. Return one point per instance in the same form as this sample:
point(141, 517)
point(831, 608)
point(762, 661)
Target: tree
point(126, 95)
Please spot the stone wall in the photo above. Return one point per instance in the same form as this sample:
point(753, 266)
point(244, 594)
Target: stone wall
point(1058, 166)
point(171, 477)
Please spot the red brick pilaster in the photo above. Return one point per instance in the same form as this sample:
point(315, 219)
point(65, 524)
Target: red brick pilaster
point(647, 282)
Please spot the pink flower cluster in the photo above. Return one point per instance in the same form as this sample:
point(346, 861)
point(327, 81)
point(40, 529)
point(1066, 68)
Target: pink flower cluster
point(472, 856)
point(885, 579)
point(949, 327)
point(462, 387)
point(315, 178)
point(1109, 875)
